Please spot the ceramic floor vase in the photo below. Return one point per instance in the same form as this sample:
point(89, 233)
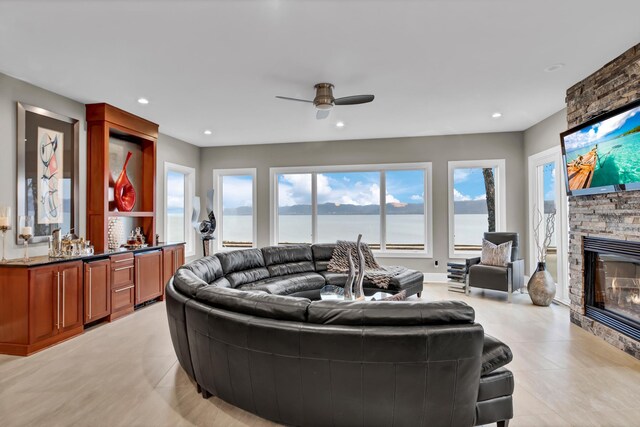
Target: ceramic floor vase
point(541, 286)
point(124, 193)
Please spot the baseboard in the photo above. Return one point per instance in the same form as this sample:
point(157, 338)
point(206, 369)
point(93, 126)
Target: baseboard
point(435, 277)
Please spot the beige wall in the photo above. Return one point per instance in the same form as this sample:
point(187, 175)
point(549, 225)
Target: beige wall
point(545, 134)
point(12, 91)
point(438, 150)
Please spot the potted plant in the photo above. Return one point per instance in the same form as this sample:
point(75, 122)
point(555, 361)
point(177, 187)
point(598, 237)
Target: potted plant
point(541, 286)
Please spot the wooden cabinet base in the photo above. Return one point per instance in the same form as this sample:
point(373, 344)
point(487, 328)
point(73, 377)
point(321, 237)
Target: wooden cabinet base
point(28, 349)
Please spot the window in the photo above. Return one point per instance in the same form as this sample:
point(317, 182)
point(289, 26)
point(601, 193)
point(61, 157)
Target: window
point(235, 208)
point(476, 204)
point(179, 191)
point(384, 203)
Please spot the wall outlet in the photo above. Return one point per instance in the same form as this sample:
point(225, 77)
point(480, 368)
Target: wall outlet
point(436, 262)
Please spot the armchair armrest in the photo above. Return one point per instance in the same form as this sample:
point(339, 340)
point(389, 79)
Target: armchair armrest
point(472, 261)
point(517, 273)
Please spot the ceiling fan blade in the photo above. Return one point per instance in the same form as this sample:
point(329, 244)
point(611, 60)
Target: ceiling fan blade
point(355, 99)
point(322, 114)
point(293, 99)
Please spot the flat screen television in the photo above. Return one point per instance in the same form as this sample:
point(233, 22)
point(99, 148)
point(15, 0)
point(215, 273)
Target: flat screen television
point(603, 154)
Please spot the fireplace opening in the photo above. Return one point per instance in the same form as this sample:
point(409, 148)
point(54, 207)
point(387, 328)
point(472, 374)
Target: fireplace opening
point(612, 284)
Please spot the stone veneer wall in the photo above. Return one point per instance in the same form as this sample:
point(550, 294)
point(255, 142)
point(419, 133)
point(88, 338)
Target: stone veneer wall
point(615, 215)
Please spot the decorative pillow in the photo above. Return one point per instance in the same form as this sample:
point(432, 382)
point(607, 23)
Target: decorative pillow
point(498, 255)
point(400, 296)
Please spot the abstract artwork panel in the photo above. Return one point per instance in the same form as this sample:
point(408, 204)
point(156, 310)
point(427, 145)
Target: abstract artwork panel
point(50, 174)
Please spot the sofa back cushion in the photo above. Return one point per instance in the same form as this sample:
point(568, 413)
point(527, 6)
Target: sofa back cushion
point(283, 260)
point(207, 268)
point(258, 304)
point(243, 266)
point(322, 253)
point(187, 282)
point(390, 313)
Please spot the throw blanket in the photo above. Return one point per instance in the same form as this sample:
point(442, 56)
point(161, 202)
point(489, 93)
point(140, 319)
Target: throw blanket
point(374, 272)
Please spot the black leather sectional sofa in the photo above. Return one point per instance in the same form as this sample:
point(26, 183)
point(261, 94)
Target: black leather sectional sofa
point(301, 362)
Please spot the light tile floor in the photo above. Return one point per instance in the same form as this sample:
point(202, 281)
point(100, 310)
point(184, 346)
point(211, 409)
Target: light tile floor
point(126, 373)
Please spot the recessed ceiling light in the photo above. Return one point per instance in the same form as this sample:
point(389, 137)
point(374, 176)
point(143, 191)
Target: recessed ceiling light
point(554, 67)
point(496, 115)
point(340, 124)
point(207, 132)
point(143, 101)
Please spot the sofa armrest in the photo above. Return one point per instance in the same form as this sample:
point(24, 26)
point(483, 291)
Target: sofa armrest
point(517, 274)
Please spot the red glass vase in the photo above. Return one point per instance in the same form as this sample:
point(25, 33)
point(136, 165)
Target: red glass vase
point(124, 194)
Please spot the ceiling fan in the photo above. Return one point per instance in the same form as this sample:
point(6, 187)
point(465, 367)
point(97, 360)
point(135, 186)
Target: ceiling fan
point(324, 100)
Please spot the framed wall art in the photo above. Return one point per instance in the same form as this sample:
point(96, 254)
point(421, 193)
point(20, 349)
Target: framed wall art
point(47, 167)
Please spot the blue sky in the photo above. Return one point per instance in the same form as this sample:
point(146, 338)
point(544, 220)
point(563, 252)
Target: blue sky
point(604, 130)
point(468, 184)
point(354, 188)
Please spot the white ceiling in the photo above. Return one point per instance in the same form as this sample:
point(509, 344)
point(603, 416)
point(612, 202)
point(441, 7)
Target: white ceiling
point(435, 67)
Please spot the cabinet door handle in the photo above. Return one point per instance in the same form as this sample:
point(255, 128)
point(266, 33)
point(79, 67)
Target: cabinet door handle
point(58, 300)
point(124, 289)
point(90, 298)
point(63, 292)
point(123, 268)
point(123, 260)
point(137, 283)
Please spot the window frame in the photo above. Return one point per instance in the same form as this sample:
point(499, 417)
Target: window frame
point(217, 204)
point(501, 194)
point(189, 194)
point(427, 252)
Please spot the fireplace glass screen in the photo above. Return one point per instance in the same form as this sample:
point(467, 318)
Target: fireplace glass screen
point(617, 285)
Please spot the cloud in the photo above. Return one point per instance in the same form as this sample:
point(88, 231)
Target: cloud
point(480, 197)
point(461, 174)
point(175, 191)
point(392, 199)
point(294, 189)
point(236, 191)
point(598, 131)
point(417, 197)
point(459, 197)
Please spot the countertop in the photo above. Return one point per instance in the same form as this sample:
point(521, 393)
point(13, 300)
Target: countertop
point(38, 261)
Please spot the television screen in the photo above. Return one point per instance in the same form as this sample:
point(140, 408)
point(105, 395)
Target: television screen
point(603, 154)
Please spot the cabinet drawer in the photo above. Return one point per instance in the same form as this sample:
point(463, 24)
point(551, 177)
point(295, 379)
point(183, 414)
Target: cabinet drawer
point(122, 274)
point(121, 259)
point(122, 298)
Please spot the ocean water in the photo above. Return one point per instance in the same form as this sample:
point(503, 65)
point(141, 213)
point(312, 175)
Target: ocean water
point(401, 229)
point(618, 162)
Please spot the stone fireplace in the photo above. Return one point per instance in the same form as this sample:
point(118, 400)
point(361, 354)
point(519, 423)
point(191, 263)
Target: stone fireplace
point(614, 217)
point(612, 284)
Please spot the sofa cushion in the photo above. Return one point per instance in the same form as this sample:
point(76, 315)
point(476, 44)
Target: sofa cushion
point(243, 266)
point(488, 276)
point(207, 268)
point(322, 253)
point(187, 282)
point(283, 260)
point(221, 283)
point(495, 354)
point(285, 285)
point(255, 303)
point(390, 313)
point(495, 384)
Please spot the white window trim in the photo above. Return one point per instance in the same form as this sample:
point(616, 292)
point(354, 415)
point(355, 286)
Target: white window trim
point(217, 203)
point(501, 199)
point(562, 236)
point(189, 194)
point(382, 168)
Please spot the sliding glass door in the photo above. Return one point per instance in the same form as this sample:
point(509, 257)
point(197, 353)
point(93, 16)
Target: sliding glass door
point(548, 217)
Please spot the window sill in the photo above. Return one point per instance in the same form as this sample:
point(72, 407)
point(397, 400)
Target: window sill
point(402, 254)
